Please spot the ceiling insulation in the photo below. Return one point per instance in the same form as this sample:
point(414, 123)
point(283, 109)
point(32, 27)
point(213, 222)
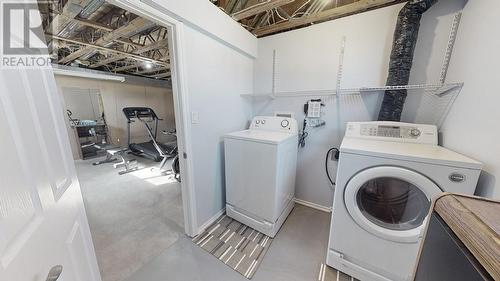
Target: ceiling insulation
point(267, 17)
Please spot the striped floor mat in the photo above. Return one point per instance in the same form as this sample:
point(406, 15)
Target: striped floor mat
point(240, 247)
point(327, 273)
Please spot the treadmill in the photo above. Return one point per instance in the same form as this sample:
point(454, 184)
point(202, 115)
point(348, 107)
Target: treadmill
point(150, 149)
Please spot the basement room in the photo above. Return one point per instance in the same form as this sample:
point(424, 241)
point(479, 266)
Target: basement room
point(233, 140)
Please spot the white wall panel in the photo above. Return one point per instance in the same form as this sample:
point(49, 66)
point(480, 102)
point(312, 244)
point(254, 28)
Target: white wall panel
point(217, 76)
point(472, 125)
point(308, 59)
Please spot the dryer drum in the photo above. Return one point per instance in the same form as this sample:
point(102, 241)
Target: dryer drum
point(393, 203)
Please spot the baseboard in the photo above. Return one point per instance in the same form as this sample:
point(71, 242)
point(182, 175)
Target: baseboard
point(313, 205)
point(210, 221)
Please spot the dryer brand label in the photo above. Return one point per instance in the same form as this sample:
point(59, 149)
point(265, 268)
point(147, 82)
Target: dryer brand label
point(456, 177)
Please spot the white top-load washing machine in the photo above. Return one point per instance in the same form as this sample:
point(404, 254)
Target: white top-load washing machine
point(260, 172)
point(388, 173)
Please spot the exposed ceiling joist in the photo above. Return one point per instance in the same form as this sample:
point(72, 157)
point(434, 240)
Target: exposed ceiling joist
point(281, 11)
point(259, 8)
point(316, 7)
point(129, 42)
point(136, 25)
point(231, 4)
point(98, 35)
point(70, 10)
point(127, 67)
point(221, 3)
point(162, 75)
point(153, 46)
point(240, 5)
point(261, 20)
point(342, 11)
point(109, 50)
point(266, 17)
point(108, 60)
point(92, 24)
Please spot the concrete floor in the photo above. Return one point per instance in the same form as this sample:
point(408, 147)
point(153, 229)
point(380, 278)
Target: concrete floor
point(133, 217)
point(295, 254)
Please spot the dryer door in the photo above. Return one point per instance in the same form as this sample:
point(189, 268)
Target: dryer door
point(390, 202)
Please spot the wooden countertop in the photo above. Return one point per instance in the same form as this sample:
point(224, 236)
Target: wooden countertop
point(476, 222)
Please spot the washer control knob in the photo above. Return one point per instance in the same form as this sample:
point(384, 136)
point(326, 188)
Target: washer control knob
point(263, 122)
point(285, 123)
point(415, 132)
point(257, 122)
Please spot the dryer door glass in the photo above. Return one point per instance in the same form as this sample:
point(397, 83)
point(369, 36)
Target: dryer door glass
point(390, 202)
point(393, 203)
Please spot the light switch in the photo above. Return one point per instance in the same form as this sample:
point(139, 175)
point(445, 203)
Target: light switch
point(195, 117)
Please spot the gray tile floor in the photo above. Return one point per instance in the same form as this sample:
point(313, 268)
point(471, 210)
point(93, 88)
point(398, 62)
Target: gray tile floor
point(133, 217)
point(295, 254)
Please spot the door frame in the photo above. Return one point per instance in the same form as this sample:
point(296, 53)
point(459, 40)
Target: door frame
point(424, 184)
point(181, 102)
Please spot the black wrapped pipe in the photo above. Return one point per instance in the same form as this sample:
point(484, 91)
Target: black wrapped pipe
point(405, 39)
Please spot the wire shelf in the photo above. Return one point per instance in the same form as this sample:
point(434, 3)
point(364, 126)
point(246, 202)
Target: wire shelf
point(437, 89)
point(425, 103)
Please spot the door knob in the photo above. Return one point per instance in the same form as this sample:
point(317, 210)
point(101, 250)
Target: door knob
point(54, 273)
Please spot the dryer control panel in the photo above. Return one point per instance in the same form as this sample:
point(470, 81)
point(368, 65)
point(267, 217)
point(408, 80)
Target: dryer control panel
point(274, 123)
point(393, 131)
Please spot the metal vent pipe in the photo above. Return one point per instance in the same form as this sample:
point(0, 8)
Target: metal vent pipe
point(403, 47)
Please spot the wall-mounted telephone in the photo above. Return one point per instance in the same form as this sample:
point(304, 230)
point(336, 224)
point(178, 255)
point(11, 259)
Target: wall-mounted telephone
point(312, 109)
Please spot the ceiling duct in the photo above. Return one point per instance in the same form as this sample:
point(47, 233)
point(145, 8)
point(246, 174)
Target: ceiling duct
point(403, 48)
point(91, 8)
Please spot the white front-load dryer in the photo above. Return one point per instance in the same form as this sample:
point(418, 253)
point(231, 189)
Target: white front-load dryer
point(260, 172)
point(387, 176)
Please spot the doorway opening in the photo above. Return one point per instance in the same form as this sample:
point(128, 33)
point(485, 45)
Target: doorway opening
point(127, 127)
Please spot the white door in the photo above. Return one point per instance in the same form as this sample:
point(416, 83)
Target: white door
point(42, 218)
point(390, 202)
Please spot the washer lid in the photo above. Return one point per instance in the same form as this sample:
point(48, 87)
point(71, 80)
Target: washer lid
point(424, 153)
point(262, 136)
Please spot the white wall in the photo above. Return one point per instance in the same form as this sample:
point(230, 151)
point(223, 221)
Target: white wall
point(429, 52)
point(217, 75)
point(472, 125)
point(219, 67)
point(84, 104)
point(308, 58)
point(117, 95)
